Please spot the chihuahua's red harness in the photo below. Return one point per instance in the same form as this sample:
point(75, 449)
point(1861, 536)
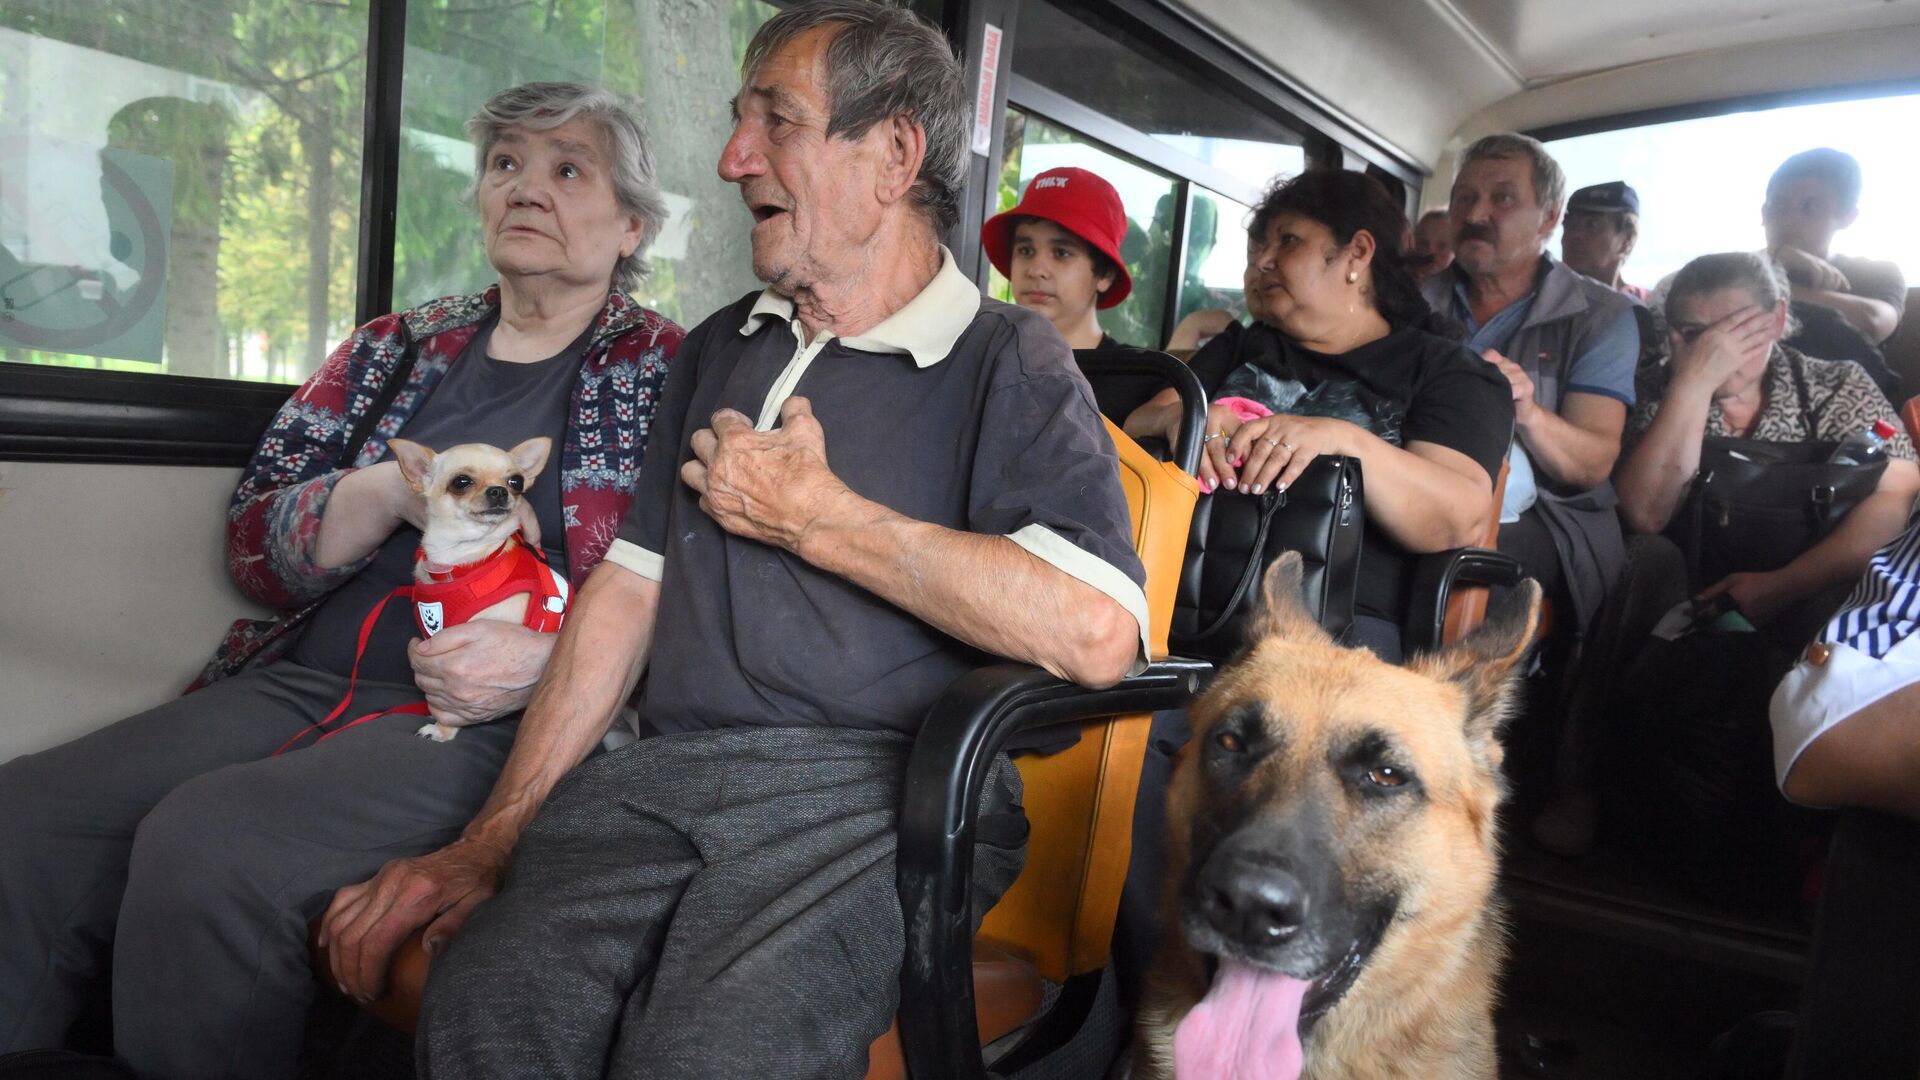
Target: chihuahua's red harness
point(454, 596)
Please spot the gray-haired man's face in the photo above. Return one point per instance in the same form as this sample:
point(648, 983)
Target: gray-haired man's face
point(815, 200)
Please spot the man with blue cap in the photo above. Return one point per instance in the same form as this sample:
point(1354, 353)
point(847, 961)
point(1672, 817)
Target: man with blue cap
point(1598, 232)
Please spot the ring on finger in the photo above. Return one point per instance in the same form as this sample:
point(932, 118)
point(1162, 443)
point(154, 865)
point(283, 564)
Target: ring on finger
point(1271, 442)
point(1287, 446)
point(1212, 435)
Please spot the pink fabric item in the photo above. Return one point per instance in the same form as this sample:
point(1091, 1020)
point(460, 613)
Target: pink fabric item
point(1245, 409)
point(1246, 1028)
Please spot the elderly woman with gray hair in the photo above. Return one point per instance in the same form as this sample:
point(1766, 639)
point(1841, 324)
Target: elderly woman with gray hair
point(192, 844)
point(1730, 376)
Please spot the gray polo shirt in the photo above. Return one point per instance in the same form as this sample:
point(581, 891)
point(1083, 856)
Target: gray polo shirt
point(963, 412)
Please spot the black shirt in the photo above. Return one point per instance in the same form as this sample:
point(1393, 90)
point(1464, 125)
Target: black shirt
point(483, 400)
point(997, 435)
point(1409, 386)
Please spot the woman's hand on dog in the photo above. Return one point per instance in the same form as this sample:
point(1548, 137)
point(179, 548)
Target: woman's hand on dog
point(367, 923)
point(480, 670)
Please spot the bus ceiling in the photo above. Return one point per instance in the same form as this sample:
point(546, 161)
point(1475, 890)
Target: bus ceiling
point(1426, 75)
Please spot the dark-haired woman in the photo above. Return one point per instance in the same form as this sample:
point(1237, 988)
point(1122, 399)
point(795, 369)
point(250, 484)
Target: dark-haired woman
point(1337, 357)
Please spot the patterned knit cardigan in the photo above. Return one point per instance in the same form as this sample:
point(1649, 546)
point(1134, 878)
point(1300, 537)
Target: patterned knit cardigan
point(273, 523)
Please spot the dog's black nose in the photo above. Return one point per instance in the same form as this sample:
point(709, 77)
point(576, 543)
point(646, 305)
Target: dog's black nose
point(497, 498)
point(1257, 904)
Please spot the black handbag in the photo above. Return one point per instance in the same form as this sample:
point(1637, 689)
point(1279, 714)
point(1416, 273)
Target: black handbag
point(1234, 537)
point(1756, 506)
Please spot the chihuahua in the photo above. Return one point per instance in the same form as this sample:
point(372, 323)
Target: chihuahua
point(474, 496)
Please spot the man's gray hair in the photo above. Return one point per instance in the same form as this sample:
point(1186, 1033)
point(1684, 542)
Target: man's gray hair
point(543, 106)
point(1752, 272)
point(887, 62)
point(1549, 183)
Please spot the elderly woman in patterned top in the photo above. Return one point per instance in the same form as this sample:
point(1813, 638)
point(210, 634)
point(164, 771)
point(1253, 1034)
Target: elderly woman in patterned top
point(1730, 375)
point(193, 843)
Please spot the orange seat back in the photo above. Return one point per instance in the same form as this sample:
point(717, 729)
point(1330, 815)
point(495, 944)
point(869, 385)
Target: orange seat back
point(1079, 801)
point(1467, 607)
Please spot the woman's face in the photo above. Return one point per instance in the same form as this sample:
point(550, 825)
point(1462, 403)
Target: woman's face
point(547, 208)
point(1297, 278)
point(1688, 317)
point(1053, 273)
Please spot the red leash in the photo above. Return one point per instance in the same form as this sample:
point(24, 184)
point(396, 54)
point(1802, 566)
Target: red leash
point(415, 708)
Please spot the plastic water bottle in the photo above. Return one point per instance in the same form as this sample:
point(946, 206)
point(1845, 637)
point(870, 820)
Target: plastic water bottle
point(1864, 447)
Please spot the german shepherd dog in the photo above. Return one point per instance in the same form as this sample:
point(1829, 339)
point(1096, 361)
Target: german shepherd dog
point(1331, 855)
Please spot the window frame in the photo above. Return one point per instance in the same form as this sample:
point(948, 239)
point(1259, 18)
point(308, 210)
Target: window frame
point(82, 415)
point(58, 414)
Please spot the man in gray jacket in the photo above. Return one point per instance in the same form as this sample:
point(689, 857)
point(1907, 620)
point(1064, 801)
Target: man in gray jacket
point(1567, 343)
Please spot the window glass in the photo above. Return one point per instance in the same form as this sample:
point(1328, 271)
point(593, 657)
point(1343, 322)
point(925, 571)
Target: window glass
point(179, 183)
point(1104, 68)
point(681, 60)
point(1214, 276)
point(1701, 182)
point(1032, 146)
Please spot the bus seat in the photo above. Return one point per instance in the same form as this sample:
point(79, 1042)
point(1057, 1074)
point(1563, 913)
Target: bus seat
point(1467, 608)
point(1910, 418)
point(1902, 350)
point(1056, 921)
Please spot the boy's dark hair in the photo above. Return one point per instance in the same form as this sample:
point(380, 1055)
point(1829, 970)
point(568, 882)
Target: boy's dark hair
point(1836, 168)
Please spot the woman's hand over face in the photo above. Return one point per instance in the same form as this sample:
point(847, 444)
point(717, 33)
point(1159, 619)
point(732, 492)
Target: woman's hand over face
point(1274, 450)
point(1723, 347)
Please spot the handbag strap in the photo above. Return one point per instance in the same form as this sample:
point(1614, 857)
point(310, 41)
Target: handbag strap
point(1796, 366)
point(1275, 499)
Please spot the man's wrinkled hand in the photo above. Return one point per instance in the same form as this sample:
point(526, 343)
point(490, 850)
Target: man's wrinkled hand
point(480, 670)
point(367, 923)
point(1519, 380)
point(769, 486)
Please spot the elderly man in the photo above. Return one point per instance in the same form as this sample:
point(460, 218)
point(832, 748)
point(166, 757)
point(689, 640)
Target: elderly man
point(1566, 343)
point(1432, 249)
point(863, 481)
point(1602, 223)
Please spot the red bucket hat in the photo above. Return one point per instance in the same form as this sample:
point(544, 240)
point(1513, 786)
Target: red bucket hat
point(1081, 203)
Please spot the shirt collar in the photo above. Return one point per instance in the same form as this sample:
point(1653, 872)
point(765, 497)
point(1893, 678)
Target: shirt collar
point(926, 328)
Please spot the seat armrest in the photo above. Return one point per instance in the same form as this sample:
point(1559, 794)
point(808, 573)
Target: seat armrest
point(1435, 577)
point(962, 733)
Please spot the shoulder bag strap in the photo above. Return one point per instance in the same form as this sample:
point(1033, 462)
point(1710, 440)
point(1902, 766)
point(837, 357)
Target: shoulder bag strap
point(1256, 562)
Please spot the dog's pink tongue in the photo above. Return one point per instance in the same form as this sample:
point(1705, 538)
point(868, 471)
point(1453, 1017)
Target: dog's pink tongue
point(1246, 1028)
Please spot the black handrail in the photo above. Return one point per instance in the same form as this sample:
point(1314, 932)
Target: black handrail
point(965, 729)
point(1095, 363)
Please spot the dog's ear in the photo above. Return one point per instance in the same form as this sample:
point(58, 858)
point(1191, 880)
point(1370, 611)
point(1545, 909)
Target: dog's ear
point(1283, 613)
point(416, 463)
point(1487, 662)
point(531, 456)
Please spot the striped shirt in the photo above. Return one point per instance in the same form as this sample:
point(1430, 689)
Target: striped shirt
point(1884, 608)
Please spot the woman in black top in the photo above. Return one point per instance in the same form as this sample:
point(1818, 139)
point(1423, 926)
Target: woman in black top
point(1337, 353)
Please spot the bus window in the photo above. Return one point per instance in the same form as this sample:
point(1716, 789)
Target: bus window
point(180, 185)
point(1213, 276)
point(1701, 181)
point(1032, 146)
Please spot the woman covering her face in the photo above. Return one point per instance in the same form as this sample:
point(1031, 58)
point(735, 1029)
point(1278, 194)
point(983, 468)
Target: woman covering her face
point(1060, 249)
point(1730, 375)
point(1335, 363)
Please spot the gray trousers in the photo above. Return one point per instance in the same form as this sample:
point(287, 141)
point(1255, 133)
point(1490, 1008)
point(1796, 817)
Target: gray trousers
point(175, 846)
point(718, 904)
